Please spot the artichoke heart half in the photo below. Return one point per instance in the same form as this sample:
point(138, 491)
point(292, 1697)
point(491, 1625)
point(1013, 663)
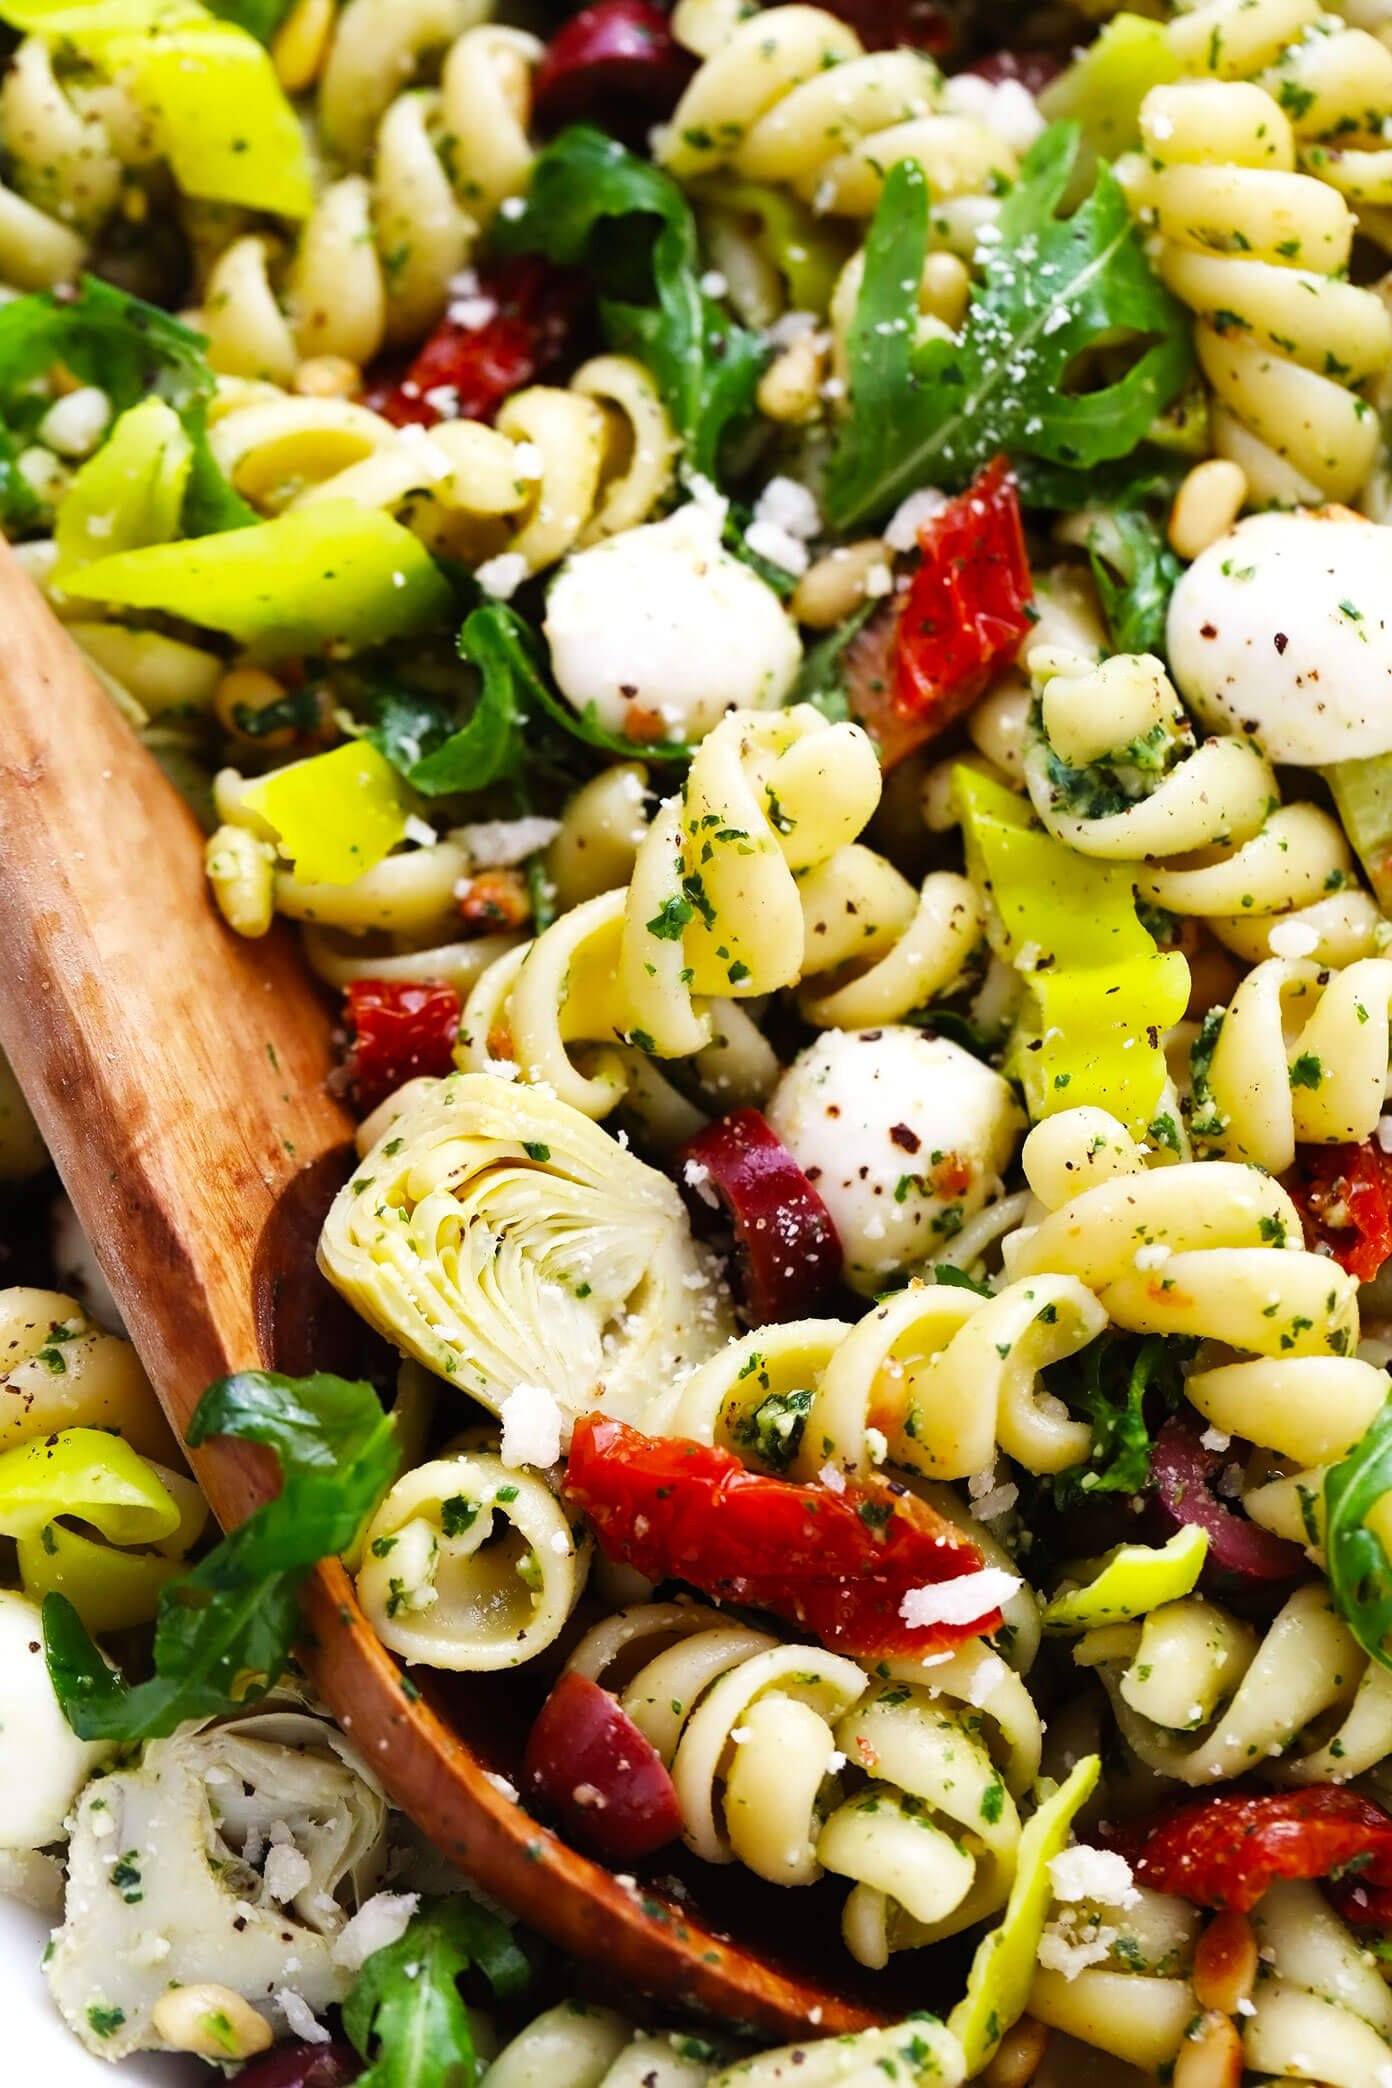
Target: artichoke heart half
point(233, 1852)
point(503, 1239)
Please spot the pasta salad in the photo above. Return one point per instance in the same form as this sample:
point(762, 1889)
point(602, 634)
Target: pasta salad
point(795, 604)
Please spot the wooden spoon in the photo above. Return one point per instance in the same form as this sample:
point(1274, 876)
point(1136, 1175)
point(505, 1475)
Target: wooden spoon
point(177, 1073)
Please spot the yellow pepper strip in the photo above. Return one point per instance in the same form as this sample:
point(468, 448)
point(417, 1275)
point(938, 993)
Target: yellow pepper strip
point(331, 571)
point(98, 1478)
point(130, 493)
point(87, 1473)
point(219, 114)
point(335, 815)
point(1099, 995)
point(999, 1981)
point(1104, 88)
point(1131, 1580)
point(110, 1590)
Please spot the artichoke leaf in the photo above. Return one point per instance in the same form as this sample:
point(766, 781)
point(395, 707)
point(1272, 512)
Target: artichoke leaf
point(183, 1868)
point(503, 1239)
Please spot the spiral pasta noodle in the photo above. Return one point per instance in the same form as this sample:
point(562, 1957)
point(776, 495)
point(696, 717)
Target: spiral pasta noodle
point(713, 914)
point(504, 1241)
point(1256, 251)
point(1200, 1697)
point(576, 2046)
point(877, 947)
point(942, 1376)
point(1299, 1054)
point(1319, 2005)
point(1113, 769)
point(65, 174)
point(795, 99)
point(758, 1736)
point(1318, 2009)
point(1208, 1249)
point(373, 265)
point(470, 1564)
point(60, 1370)
point(1136, 1999)
point(558, 469)
point(1332, 78)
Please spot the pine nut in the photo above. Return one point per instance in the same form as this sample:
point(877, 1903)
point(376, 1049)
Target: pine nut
point(301, 43)
point(1225, 1963)
point(791, 387)
point(1206, 505)
point(1018, 2056)
point(327, 377)
point(1211, 2057)
point(211, 2021)
point(944, 290)
point(836, 585)
point(241, 871)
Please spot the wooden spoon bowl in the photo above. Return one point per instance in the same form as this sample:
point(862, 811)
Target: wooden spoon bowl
point(178, 1075)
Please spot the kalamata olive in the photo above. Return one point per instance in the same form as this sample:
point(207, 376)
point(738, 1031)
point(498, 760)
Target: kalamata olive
point(301, 2065)
point(598, 1775)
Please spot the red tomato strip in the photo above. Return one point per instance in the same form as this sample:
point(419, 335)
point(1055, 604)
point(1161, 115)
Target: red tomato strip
point(1350, 1184)
point(1225, 1851)
point(399, 1031)
point(590, 1767)
point(838, 1564)
point(789, 1252)
point(465, 372)
point(965, 611)
point(1183, 1471)
point(616, 64)
point(920, 665)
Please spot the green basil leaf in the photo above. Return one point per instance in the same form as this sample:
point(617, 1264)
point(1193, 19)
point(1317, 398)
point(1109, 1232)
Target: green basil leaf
point(405, 2014)
point(235, 1614)
point(933, 413)
point(586, 207)
point(1360, 1571)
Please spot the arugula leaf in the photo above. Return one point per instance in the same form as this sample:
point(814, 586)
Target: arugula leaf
point(504, 649)
point(414, 733)
point(821, 679)
point(132, 350)
point(932, 413)
point(1110, 1382)
point(586, 193)
point(260, 18)
point(405, 2015)
point(1135, 576)
point(226, 1627)
point(1360, 1571)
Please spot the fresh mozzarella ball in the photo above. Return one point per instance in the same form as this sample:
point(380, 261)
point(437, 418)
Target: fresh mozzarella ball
point(664, 632)
point(905, 1137)
point(1283, 630)
point(43, 1764)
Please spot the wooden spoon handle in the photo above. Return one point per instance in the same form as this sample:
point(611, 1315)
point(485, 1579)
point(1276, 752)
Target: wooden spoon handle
point(177, 1074)
point(175, 1071)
